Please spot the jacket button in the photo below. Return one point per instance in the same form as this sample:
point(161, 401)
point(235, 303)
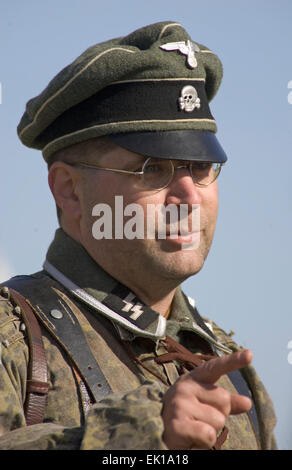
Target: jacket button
point(56, 314)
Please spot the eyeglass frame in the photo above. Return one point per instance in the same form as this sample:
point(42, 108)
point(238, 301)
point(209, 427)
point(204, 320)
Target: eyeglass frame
point(141, 173)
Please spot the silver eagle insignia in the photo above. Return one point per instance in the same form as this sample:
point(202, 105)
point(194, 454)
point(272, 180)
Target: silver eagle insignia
point(186, 48)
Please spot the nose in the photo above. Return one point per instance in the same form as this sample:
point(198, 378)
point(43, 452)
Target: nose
point(182, 189)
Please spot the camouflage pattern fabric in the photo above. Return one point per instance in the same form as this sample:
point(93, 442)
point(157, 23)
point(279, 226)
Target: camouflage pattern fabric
point(130, 417)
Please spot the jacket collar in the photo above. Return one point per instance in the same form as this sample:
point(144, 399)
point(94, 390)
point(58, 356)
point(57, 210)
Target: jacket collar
point(69, 263)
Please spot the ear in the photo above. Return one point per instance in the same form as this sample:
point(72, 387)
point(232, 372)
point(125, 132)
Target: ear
point(64, 181)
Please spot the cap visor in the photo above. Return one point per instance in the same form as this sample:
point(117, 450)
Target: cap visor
point(177, 145)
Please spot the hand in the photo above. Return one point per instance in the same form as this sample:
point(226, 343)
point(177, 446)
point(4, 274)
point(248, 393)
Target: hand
point(195, 409)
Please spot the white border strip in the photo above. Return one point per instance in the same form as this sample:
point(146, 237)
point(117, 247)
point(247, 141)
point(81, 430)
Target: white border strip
point(97, 305)
point(111, 315)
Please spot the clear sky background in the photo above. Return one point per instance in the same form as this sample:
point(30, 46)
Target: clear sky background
point(245, 285)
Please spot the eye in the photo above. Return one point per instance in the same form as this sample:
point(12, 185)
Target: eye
point(153, 168)
point(202, 166)
point(156, 166)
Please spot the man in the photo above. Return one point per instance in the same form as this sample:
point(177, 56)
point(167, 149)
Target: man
point(127, 362)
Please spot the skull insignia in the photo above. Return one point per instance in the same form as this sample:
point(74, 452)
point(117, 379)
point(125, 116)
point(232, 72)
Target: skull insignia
point(189, 100)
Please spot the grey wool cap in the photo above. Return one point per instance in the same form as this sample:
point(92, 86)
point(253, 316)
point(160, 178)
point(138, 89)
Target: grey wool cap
point(149, 92)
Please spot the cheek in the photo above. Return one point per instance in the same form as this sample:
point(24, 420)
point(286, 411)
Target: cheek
point(97, 189)
point(209, 206)
point(211, 202)
point(109, 191)
point(215, 200)
point(92, 193)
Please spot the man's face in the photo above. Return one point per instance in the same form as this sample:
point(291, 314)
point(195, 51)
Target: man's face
point(147, 258)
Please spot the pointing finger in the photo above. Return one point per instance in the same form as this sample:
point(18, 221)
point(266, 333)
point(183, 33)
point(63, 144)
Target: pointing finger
point(212, 370)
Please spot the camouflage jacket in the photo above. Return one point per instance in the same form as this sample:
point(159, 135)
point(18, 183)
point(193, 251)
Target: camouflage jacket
point(130, 416)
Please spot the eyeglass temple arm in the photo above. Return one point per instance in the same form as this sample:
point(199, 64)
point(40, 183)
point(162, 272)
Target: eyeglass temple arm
point(109, 169)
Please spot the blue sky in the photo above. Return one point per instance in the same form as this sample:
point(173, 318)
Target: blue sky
point(245, 285)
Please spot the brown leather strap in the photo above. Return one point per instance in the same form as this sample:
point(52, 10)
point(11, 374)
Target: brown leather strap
point(221, 438)
point(189, 360)
point(178, 352)
point(37, 383)
point(136, 359)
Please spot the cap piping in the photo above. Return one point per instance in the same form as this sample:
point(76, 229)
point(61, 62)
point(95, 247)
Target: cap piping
point(69, 82)
point(168, 26)
point(165, 79)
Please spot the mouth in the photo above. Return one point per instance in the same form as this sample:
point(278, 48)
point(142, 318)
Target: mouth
point(182, 240)
point(184, 237)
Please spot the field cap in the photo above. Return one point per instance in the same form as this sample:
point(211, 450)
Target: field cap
point(149, 92)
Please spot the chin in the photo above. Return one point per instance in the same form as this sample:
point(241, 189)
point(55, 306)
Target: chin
point(179, 265)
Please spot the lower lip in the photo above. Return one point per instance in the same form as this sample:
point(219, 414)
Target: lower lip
point(181, 239)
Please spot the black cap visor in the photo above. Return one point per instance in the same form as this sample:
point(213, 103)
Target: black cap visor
point(176, 145)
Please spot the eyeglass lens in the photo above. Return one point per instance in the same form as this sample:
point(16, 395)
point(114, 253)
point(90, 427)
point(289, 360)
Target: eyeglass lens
point(158, 173)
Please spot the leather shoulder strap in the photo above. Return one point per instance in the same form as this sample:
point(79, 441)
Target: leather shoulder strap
point(37, 383)
point(65, 329)
point(242, 388)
